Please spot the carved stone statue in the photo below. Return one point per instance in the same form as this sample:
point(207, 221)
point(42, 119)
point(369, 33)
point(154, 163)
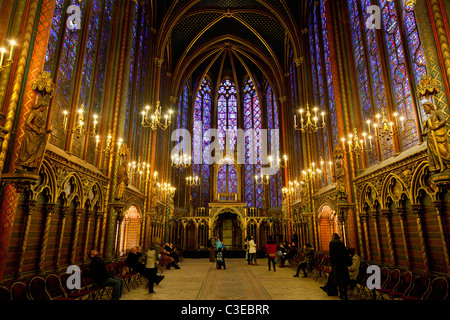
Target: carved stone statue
point(436, 132)
point(35, 139)
point(340, 178)
point(122, 174)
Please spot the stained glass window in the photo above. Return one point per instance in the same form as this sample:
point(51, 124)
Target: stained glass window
point(202, 119)
point(275, 185)
point(369, 69)
point(182, 123)
point(252, 121)
point(227, 115)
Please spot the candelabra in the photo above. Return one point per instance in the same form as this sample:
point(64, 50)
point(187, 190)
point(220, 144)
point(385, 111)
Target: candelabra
point(357, 143)
point(193, 181)
point(181, 161)
point(282, 163)
point(311, 124)
point(156, 120)
point(262, 180)
point(383, 128)
point(166, 189)
point(79, 126)
point(8, 61)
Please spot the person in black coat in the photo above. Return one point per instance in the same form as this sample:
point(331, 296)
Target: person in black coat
point(102, 277)
point(339, 259)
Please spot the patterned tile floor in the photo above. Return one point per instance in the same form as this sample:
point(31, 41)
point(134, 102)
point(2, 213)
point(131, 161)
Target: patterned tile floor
point(198, 279)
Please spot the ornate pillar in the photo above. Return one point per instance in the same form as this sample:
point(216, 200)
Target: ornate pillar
point(387, 218)
point(77, 217)
point(119, 222)
point(28, 208)
point(63, 214)
point(376, 220)
point(89, 215)
point(440, 214)
point(48, 211)
point(418, 211)
point(13, 186)
point(401, 211)
point(98, 223)
point(365, 219)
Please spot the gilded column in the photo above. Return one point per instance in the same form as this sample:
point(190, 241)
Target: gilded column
point(387, 219)
point(89, 215)
point(48, 211)
point(98, 223)
point(440, 213)
point(28, 208)
point(365, 219)
point(401, 211)
point(376, 218)
point(418, 211)
point(63, 214)
point(441, 34)
point(77, 217)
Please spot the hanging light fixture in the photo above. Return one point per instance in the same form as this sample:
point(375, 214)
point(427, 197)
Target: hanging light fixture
point(155, 119)
point(312, 120)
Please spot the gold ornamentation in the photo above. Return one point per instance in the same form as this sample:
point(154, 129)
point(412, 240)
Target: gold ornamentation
point(427, 87)
point(44, 84)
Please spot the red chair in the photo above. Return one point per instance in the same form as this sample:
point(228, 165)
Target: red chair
point(404, 285)
point(19, 292)
point(97, 291)
point(37, 290)
point(418, 289)
point(5, 295)
point(76, 294)
point(438, 289)
point(393, 280)
point(55, 289)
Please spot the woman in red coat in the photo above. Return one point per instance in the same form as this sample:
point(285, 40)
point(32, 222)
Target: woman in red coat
point(271, 250)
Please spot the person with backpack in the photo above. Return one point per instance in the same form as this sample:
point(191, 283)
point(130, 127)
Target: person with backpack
point(271, 250)
point(220, 260)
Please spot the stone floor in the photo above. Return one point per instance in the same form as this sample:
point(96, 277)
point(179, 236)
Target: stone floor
point(198, 279)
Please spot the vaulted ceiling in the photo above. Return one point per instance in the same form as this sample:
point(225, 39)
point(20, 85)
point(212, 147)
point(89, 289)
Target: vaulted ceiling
point(236, 36)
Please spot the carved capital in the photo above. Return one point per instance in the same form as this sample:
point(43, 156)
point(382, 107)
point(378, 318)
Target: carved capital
point(386, 213)
point(21, 181)
point(159, 62)
point(283, 99)
point(299, 61)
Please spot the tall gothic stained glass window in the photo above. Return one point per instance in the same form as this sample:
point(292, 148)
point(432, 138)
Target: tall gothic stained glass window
point(227, 115)
point(202, 123)
point(404, 63)
point(275, 185)
point(253, 193)
point(323, 89)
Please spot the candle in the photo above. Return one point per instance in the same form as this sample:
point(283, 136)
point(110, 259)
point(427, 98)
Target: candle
point(13, 43)
point(368, 125)
point(65, 120)
point(323, 118)
point(391, 124)
point(2, 50)
point(401, 121)
point(370, 141)
point(331, 166)
point(295, 119)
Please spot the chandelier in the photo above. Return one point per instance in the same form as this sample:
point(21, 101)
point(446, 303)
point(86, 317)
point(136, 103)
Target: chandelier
point(282, 163)
point(193, 181)
point(156, 120)
point(311, 123)
point(383, 128)
point(166, 189)
point(356, 143)
point(181, 161)
point(262, 180)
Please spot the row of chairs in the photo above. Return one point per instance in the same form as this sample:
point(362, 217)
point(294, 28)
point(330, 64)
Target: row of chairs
point(54, 287)
point(395, 284)
point(400, 285)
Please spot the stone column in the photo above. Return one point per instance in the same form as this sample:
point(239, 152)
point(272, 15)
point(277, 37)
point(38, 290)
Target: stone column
point(77, 217)
point(98, 224)
point(63, 213)
point(48, 211)
point(376, 218)
point(28, 208)
point(89, 215)
point(401, 211)
point(365, 219)
point(440, 214)
point(387, 218)
point(418, 212)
